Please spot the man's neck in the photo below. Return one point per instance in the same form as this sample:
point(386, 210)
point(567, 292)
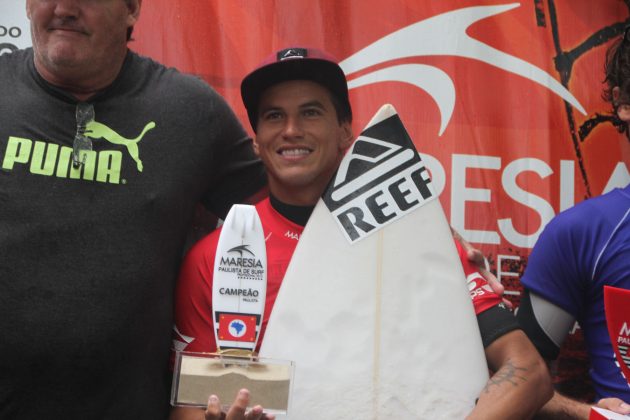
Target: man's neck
point(78, 83)
point(297, 214)
point(296, 195)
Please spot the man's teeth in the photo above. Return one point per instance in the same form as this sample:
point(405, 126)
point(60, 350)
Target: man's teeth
point(295, 152)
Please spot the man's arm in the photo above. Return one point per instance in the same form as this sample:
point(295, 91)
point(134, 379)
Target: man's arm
point(564, 408)
point(520, 384)
point(547, 325)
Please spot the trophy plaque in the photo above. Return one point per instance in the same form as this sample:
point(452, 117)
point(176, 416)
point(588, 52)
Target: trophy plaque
point(238, 304)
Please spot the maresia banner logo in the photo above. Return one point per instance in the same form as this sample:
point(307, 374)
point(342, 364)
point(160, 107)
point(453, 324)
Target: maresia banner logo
point(381, 179)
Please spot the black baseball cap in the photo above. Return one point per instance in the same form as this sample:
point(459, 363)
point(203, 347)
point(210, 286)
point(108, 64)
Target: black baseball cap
point(295, 64)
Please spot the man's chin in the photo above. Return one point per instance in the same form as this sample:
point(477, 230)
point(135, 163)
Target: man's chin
point(64, 58)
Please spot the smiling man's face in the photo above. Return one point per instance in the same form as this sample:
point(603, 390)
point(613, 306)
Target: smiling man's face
point(300, 140)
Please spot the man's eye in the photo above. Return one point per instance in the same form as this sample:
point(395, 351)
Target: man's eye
point(273, 115)
point(311, 112)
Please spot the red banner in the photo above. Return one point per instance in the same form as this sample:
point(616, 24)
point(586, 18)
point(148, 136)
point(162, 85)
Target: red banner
point(502, 98)
point(496, 95)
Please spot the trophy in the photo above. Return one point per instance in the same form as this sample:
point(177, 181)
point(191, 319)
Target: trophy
point(238, 304)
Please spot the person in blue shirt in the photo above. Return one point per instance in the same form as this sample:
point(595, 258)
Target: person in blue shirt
point(580, 251)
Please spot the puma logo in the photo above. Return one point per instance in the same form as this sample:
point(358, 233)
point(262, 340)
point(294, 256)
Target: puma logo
point(97, 130)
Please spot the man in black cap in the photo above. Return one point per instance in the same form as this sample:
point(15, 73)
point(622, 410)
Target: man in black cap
point(297, 103)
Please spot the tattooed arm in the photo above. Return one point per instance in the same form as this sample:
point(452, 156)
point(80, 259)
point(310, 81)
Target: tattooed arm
point(564, 408)
point(520, 384)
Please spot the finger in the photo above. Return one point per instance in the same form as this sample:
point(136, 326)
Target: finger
point(492, 280)
point(495, 285)
point(614, 404)
point(213, 410)
point(263, 416)
point(471, 252)
point(237, 410)
point(455, 234)
point(476, 257)
point(256, 413)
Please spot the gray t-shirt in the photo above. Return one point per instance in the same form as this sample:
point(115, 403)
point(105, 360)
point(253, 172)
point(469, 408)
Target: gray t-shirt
point(89, 257)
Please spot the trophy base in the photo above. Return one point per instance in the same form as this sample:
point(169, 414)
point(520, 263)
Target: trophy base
point(198, 375)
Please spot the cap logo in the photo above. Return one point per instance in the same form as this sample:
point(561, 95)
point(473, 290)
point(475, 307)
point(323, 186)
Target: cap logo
point(291, 53)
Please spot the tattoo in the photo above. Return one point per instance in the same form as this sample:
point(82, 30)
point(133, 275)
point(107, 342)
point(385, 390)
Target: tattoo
point(508, 373)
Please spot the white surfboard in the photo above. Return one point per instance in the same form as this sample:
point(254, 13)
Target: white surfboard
point(377, 315)
point(240, 280)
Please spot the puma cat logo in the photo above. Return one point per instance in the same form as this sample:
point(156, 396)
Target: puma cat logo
point(97, 130)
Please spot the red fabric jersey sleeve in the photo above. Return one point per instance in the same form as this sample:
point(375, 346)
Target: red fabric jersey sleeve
point(480, 292)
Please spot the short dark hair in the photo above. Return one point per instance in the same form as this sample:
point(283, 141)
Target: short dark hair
point(617, 71)
point(344, 113)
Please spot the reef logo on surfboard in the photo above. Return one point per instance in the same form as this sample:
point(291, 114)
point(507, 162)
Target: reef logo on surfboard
point(380, 179)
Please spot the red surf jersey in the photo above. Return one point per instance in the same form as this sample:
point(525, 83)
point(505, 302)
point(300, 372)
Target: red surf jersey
point(194, 327)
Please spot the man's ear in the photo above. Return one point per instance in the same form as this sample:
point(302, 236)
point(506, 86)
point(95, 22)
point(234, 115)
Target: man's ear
point(134, 12)
point(615, 94)
point(347, 136)
point(255, 145)
point(622, 109)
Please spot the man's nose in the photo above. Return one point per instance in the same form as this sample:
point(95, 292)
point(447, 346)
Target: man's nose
point(293, 127)
point(67, 8)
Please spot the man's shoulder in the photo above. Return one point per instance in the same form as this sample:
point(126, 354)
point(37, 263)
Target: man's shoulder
point(166, 76)
point(607, 208)
point(616, 199)
point(16, 58)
